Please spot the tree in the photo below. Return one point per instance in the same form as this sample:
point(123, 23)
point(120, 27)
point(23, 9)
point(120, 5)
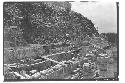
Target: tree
point(110, 37)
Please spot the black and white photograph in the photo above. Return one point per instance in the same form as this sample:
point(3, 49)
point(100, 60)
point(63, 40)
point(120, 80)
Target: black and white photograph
point(60, 40)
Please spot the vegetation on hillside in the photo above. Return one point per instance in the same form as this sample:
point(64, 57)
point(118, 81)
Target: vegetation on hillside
point(41, 23)
point(111, 37)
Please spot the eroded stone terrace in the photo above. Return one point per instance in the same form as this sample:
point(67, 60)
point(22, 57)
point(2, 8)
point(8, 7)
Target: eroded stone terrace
point(55, 66)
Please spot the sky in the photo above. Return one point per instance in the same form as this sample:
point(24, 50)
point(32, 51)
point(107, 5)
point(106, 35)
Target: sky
point(102, 14)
